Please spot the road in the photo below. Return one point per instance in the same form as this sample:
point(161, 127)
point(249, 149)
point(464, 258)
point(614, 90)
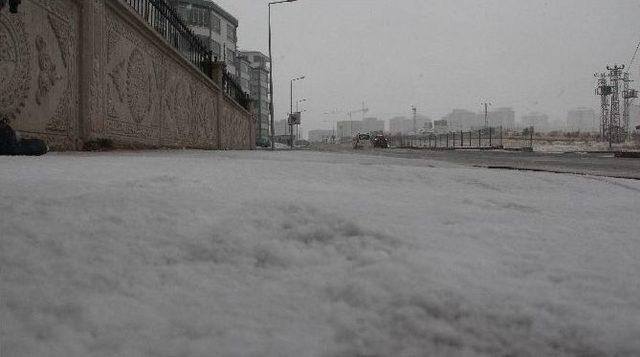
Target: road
point(597, 164)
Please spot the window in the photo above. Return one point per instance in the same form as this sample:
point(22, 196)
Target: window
point(215, 24)
point(199, 17)
point(231, 33)
point(204, 40)
point(230, 57)
point(215, 47)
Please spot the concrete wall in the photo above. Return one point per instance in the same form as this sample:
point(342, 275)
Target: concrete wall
point(73, 71)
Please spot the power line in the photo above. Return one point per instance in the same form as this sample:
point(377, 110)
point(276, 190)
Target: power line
point(634, 55)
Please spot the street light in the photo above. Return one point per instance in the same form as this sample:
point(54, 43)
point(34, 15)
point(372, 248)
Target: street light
point(273, 128)
point(291, 107)
point(298, 103)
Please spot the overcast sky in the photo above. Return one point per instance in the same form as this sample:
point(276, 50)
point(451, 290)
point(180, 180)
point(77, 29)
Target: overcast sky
point(439, 54)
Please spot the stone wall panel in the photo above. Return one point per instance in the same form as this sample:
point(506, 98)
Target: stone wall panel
point(127, 84)
point(39, 70)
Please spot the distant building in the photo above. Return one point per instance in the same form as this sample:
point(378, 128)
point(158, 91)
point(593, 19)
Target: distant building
point(281, 127)
point(243, 74)
point(582, 119)
point(398, 125)
point(320, 136)
point(634, 115)
point(404, 125)
point(539, 121)
point(440, 127)
point(460, 119)
point(348, 128)
point(215, 27)
point(503, 117)
point(371, 125)
point(258, 88)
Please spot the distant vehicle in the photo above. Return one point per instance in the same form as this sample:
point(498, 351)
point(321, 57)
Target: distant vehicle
point(359, 140)
point(379, 141)
point(263, 142)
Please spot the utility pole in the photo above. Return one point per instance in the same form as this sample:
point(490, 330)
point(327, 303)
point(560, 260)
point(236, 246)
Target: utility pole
point(415, 114)
point(273, 128)
point(628, 95)
point(603, 90)
point(486, 114)
point(614, 115)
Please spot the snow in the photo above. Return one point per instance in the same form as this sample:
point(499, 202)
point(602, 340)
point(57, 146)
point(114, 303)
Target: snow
point(195, 253)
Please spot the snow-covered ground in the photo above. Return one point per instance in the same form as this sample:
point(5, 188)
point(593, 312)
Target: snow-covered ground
point(312, 254)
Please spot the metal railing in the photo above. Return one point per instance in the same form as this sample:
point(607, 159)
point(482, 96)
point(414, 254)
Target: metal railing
point(234, 90)
point(164, 19)
point(486, 138)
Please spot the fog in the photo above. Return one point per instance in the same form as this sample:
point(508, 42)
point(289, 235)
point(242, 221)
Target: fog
point(438, 54)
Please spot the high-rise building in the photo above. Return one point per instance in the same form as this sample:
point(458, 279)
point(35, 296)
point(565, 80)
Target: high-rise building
point(503, 117)
point(460, 119)
point(348, 128)
point(582, 119)
point(539, 121)
point(215, 27)
point(404, 125)
point(371, 125)
point(258, 88)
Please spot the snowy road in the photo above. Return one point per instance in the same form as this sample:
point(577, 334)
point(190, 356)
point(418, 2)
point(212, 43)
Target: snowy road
point(312, 254)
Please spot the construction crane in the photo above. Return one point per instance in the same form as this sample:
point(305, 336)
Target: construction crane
point(364, 111)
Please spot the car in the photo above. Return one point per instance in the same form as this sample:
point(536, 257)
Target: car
point(379, 141)
point(263, 142)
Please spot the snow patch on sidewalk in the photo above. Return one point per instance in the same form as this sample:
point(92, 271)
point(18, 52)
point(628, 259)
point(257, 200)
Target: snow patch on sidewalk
point(299, 253)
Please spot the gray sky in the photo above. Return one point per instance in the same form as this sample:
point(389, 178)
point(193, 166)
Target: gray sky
point(439, 54)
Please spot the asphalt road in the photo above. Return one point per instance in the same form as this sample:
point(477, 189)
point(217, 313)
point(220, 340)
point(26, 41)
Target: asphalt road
point(597, 164)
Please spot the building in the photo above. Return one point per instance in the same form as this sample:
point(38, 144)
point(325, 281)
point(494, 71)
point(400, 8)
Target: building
point(243, 73)
point(281, 127)
point(348, 128)
point(583, 119)
point(258, 88)
point(634, 115)
point(215, 27)
point(503, 117)
point(372, 125)
point(460, 119)
point(539, 121)
point(320, 136)
point(398, 125)
point(440, 127)
point(404, 125)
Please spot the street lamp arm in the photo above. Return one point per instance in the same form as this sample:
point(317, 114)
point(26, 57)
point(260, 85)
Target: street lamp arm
point(280, 2)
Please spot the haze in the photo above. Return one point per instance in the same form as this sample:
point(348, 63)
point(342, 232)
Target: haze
point(439, 54)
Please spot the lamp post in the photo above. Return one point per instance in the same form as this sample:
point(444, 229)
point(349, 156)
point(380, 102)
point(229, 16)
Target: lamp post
point(273, 128)
point(298, 110)
point(298, 103)
point(291, 107)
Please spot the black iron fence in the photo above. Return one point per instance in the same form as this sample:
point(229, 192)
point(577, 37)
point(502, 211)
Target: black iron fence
point(486, 138)
point(234, 90)
point(166, 21)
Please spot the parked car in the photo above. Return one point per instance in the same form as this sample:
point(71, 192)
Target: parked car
point(379, 141)
point(263, 142)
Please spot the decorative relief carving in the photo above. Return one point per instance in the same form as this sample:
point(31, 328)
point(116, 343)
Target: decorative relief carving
point(59, 121)
point(116, 78)
point(14, 65)
point(138, 90)
point(62, 9)
point(61, 31)
point(48, 75)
